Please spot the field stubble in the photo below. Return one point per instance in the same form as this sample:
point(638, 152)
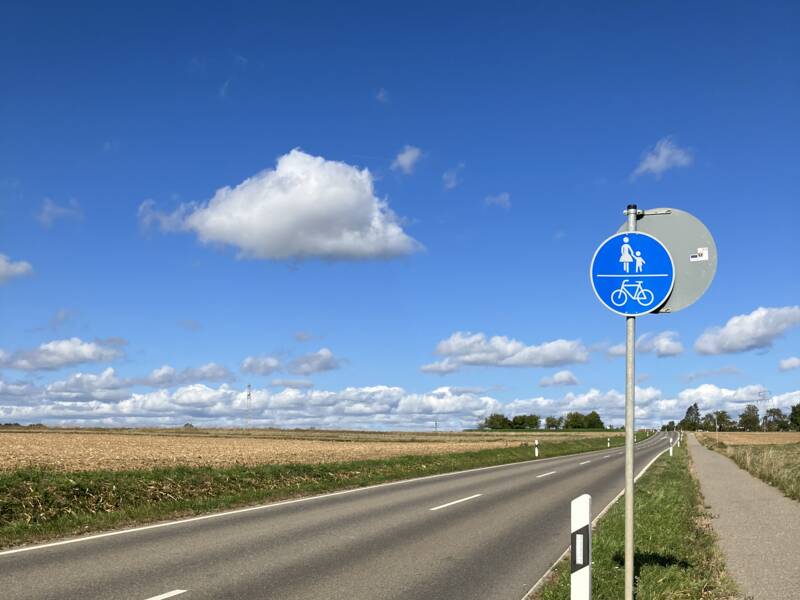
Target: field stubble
point(72, 450)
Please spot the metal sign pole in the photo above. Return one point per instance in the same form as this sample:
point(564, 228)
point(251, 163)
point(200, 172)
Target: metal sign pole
point(630, 390)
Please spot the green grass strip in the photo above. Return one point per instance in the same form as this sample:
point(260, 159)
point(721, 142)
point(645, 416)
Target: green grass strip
point(38, 504)
point(676, 553)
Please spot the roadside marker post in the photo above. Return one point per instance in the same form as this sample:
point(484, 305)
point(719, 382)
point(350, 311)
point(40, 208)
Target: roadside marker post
point(661, 265)
point(536, 449)
point(608, 443)
point(580, 562)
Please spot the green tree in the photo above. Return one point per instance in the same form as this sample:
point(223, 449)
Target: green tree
point(691, 421)
point(724, 420)
point(552, 423)
point(775, 420)
point(708, 423)
point(593, 421)
point(794, 417)
point(748, 418)
point(496, 421)
point(575, 420)
point(525, 422)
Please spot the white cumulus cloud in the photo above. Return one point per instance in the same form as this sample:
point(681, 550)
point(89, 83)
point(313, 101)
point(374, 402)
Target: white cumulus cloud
point(787, 364)
point(407, 159)
point(306, 207)
point(168, 376)
point(559, 378)
point(664, 156)
point(10, 269)
point(475, 349)
point(62, 353)
point(315, 362)
point(666, 343)
point(260, 365)
point(748, 332)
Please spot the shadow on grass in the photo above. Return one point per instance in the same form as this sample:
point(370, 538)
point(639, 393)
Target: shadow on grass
point(647, 559)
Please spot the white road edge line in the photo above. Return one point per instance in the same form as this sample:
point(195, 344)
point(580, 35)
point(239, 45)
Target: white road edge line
point(542, 579)
point(586, 462)
point(456, 502)
point(607, 456)
point(215, 515)
point(546, 474)
point(168, 595)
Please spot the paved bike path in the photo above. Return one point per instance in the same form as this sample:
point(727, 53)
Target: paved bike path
point(758, 527)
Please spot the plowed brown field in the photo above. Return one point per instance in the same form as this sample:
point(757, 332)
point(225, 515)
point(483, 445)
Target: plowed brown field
point(88, 450)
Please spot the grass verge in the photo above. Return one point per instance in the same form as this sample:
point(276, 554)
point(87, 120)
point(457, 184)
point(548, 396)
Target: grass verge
point(676, 553)
point(776, 464)
point(38, 504)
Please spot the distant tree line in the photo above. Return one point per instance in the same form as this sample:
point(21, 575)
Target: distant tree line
point(572, 420)
point(774, 419)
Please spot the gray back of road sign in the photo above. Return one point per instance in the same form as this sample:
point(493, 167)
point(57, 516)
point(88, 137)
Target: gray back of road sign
point(692, 248)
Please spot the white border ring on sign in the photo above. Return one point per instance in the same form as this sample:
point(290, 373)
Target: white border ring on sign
point(671, 283)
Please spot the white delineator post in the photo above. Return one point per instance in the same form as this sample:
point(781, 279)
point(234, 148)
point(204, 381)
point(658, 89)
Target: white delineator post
point(580, 579)
point(536, 449)
point(608, 444)
point(630, 391)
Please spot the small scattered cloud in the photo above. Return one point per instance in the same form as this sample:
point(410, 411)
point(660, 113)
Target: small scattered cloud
point(240, 61)
point(315, 362)
point(475, 349)
point(307, 207)
point(10, 269)
point(302, 336)
point(260, 365)
point(58, 354)
point(755, 330)
point(559, 378)
point(787, 364)
point(298, 384)
point(452, 177)
point(168, 376)
point(222, 92)
point(722, 371)
point(616, 350)
point(50, 212)
point(382, 96)
point(666, 343)
point(665, 155)
point(502, 200)
point(559, 235)
point(407, 159)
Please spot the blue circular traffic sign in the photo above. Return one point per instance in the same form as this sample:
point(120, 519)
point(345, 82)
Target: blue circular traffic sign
point(632, 273)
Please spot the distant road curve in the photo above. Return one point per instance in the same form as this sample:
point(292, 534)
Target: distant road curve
point(485, 533)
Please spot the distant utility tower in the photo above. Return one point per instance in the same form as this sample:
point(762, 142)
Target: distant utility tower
point(248, 406)
point(436, 425)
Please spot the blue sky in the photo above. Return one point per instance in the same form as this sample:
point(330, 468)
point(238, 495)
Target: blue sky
point(398, 180)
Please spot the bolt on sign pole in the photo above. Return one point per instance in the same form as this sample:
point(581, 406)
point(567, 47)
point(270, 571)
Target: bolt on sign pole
point(630, 392)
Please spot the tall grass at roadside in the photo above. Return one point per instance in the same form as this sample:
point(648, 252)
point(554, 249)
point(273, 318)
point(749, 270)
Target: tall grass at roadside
point(39, 503)
point(676, 553)
point(777, 464)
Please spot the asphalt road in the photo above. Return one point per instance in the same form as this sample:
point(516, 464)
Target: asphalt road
point(483, 534)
